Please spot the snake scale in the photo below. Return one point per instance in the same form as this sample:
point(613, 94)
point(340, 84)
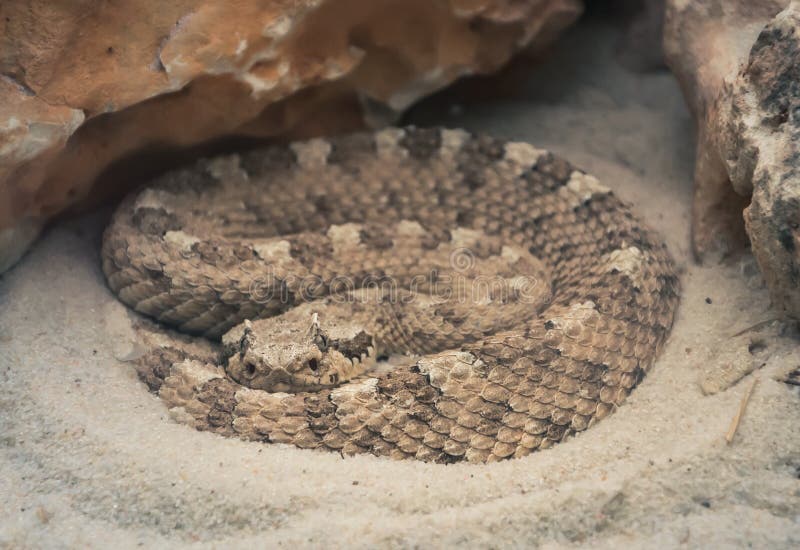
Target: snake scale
point(228, 249)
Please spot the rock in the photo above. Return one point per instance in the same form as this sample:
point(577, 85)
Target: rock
point(94, 96)
point(738, 63)
point(760, 143)
point(32, 133)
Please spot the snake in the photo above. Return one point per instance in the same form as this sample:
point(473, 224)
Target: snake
point(519, 299)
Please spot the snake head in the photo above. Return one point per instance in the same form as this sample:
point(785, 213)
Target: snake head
point(288, 353)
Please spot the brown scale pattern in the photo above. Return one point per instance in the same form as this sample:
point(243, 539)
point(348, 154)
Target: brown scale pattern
point(187, 250)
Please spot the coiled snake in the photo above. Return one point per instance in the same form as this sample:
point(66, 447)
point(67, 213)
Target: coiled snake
point(537, 300)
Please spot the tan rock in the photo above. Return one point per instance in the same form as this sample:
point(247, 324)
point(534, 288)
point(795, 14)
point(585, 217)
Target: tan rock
point(759, 139)
point(738, 63)
point(95, 96)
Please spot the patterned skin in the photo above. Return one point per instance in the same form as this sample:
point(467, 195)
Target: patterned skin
point(252, 249)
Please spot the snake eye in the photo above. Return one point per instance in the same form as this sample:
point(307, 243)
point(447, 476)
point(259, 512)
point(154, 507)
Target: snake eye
point(250, 368)
point(313, 364)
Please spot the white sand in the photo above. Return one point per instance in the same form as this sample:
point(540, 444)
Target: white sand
point(89, 457)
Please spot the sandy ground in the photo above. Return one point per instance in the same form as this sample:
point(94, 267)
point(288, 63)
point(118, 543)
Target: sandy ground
point(89, 457)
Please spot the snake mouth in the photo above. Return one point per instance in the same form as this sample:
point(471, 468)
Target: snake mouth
point(281, 355)
point(309, 370)
point(341, 361)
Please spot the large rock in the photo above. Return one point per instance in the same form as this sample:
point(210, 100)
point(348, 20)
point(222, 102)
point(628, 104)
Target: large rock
point(738, 63)
point(760, 143)
point(97, 95)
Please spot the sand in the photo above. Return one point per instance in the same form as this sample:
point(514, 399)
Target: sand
point(88, 457)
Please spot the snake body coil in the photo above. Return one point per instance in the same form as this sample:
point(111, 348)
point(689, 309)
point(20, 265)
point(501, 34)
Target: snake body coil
point(227, 249)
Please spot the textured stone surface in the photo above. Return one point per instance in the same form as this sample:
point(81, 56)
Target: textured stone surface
point(760, 142)
point(737, 63)
point(95, 96)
